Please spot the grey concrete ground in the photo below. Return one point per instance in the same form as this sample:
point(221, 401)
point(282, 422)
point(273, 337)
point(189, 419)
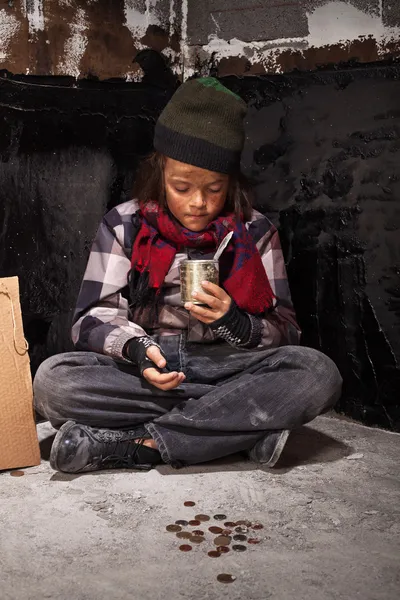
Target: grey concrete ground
point(330, 514)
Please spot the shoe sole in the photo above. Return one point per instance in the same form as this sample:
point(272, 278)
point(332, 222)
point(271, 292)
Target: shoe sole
point(278, 448)
point(54, 448)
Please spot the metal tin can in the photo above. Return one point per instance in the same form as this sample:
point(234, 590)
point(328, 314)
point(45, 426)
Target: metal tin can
point(192, 273)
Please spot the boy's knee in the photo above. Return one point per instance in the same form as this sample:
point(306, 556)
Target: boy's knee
point(320, 372)
point(50, 383)
point(327, 381)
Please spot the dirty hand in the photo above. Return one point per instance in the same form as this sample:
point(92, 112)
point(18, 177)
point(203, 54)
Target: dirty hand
point(217, 300)
point(162, 381)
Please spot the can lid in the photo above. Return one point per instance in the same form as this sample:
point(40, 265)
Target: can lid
point(200, 262)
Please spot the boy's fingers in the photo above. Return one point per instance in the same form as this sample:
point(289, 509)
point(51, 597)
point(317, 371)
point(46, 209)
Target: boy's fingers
point(215, 290)
point(153, 375)
point(211, 301)
point(154, 354)
point(163, 381)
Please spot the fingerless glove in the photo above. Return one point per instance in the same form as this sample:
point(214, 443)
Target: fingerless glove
point(238, 328)
point(135, 350)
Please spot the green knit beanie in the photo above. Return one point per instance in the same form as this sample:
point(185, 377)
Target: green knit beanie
point(202, 125)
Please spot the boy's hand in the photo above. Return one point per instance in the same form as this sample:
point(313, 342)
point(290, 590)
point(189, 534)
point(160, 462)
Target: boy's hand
point(162, 381)
point(217, 300)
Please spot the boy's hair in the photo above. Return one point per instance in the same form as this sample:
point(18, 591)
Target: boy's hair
point(149, 186)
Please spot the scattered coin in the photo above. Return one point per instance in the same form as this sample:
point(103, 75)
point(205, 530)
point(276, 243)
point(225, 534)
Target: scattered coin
point(185, 548)
point(220, 517)
point(202, 517)
point(182, 522)
point(197, 532)
point(226, 578)
point(95, 500)
point(197, 539)
point(184, 535)
point(239, 537)
point(173, 528)
point(194, 523)
point(239, 548)
point(355, 456)
point(253, 541)
point(230, 524)
point(215, 529)
point(223, 549)
point(214, 553)
point(222, 540)
point(257, 526)
point(17, 473)
point(241, 529)
point(226, 531)
point(247, 523)
point(189, 503)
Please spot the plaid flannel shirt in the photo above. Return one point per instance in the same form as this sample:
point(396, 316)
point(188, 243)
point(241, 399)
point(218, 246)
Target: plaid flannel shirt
point(103, 321)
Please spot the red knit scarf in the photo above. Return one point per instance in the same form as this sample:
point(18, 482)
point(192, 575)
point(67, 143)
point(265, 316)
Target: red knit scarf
point(160, 237)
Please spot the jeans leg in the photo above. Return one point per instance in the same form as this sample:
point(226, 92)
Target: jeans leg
point(95, 390)
point(281, 388)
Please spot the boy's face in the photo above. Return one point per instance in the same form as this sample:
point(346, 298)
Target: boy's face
point(194, 196)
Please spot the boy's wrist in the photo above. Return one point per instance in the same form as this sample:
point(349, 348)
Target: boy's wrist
point(238, 328)
point(135, 350)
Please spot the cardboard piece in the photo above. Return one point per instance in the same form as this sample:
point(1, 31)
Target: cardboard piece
point(19, 446)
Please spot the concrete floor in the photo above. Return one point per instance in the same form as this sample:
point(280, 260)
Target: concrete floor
point(330, 514)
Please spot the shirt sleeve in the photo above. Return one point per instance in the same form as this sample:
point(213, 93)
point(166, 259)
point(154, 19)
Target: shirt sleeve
point(101, 319)
point(279, 327)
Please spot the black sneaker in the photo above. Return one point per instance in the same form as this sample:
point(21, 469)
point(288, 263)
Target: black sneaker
point(79, 448)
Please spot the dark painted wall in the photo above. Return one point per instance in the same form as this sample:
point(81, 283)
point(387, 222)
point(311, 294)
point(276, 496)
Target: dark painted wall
point(323, 151)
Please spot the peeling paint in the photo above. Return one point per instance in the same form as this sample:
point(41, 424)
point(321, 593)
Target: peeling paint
point(75, 46)
point(33, 11)
point(9, 27)
point(172, 16)
point(334, 23)
point(138, 21)
point(184, 44)
point(100, 38)
point(340, 22)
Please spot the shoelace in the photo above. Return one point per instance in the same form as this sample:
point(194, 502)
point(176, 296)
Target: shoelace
point(116, 454)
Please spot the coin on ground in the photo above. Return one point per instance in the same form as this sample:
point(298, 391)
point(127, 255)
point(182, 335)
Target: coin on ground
point(220, 517)
point(202, 517)
point(214, 553)
point(257, 526)
point(184, 535)
point(197, 539)
point(239, 537)
point(223, 549)
point(197, 532)
point(182, 522)
point(226, 531)
point(173, 528)
point(226, 578)
point(241, 529)
point(247, 523)
point(215, 529)
point(239, 548)
point(222, 540)
point(253, 541)
point(17, 473)
point(189, 503)
point(230, 524)
point(185, 548)
point(194, 523)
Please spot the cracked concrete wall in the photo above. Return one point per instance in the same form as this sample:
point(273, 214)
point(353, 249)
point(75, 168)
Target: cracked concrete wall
point(100, 38)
